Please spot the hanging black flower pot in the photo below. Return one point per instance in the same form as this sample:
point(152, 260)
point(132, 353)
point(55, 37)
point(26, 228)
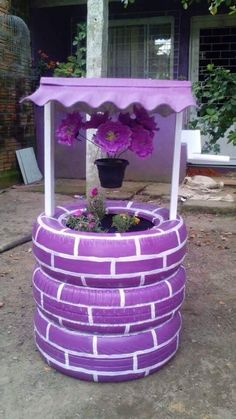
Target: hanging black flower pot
point(111, 172)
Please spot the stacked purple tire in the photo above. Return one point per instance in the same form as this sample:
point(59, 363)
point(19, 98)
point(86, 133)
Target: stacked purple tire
point(107, 304)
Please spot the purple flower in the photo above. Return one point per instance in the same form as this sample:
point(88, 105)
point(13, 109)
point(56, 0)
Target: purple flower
point(96, 120)
point(93, 192)
point(142, 142)
point(69, 128)
point(113, 137)
point(142, 118)
point(126, 119)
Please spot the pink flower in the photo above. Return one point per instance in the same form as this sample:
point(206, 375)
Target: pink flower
point(142, 142)
point(143, 118)
point(97, 119)
point(91, 224)
point(90, 216)
point(94, 192)
point(69, 128)
point(78, 213)
point(113, 137)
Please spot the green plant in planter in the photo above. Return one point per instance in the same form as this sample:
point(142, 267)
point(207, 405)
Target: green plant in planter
point(122, 222)
point(90, 219)
point(83, 222)
point(96, 204)
point(216, 97)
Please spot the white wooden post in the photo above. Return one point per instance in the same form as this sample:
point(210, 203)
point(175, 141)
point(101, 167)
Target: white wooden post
point(49, 159)
point(176, 167)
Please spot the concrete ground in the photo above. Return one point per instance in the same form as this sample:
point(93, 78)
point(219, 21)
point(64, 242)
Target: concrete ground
point(199, 383)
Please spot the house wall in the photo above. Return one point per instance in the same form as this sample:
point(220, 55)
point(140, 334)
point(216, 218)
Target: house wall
point(55, 40)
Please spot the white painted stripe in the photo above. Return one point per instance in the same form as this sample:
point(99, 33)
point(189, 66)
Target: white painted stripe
point(127, 328)
point(164, 261)
point(60, 320)
point(113, 267)
point(66, 358)
point(147, 372)
point(76, 245)
point(137, 246)
point(52, 260)
point(41, 299)
point(122, 297)
point(59, 290)
point(95, 378)
point(47, 332)
point(64, 209)
point(37, 232)
point(142, 280)
point(83, 280)
point(34, 272)
point(109, 259)
point(103, 373)
point(177, 341)
point(170, 288)
point(135, 363)
point(178, 236)
point(90, 315)
point(95, 344)
point(129, 205)
point(153, 311)
point(154, 336)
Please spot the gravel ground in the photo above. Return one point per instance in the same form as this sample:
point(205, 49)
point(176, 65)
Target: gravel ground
point(198, 383)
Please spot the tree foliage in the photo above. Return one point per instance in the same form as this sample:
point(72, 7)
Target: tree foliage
point(216, 97)
point(214, 5)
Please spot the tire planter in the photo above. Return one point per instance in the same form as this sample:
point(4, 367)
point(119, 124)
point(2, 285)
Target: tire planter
point(109, 290)
point(110, 260)
point(110, 310)
point(107, 357)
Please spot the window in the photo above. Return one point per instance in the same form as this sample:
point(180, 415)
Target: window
point(141, 48)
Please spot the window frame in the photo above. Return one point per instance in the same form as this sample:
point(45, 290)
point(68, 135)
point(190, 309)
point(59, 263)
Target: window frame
point(145, 22)
point(198, 23)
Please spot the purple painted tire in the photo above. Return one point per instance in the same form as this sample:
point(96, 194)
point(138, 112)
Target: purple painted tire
point(107, 358)
point(110, 260)
point(108, 310)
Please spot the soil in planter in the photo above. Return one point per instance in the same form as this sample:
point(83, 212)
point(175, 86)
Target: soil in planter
point(142, 225)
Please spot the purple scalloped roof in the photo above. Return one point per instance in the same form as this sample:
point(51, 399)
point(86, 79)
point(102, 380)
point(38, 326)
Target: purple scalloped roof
point(163, 96)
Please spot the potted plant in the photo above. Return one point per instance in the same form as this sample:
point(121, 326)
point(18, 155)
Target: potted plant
point(114, 135)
